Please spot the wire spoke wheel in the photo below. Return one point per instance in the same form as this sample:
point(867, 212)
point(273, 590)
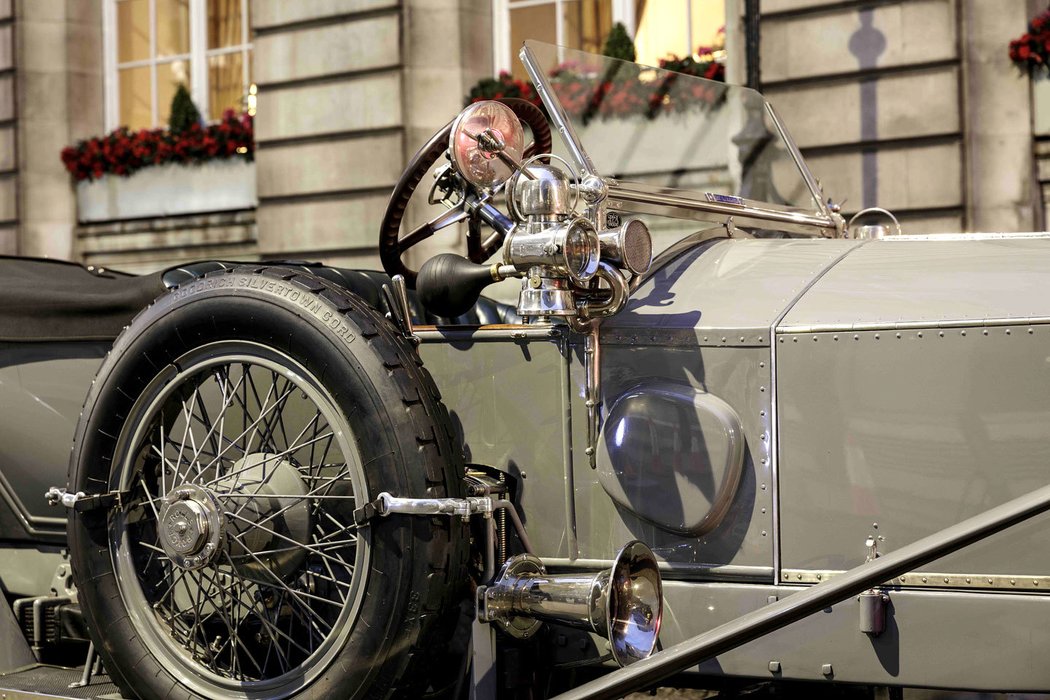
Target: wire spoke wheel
point(244, 418)
point(236, 549)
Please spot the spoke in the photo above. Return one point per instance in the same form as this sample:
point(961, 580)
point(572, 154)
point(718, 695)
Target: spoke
point(163, 462)
point(316, 429)
point(263, 461)
point(331, 579)
point(300, 496)
point(231, 624)
point(274, 632)
point(245, 432)
point(262, 408)
point(279, 536)
point(297, 596)
point(149, 497)
point(326, 545)
point(171, 588)
point(182, 448)
point(198, 618)
point(340, 527)
point(331, 573)
point(425, 231)
point(207, 423)
point(154, 548)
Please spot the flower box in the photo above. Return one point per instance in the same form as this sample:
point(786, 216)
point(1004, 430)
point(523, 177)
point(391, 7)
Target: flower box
point(168, 190)
point(1040, 104)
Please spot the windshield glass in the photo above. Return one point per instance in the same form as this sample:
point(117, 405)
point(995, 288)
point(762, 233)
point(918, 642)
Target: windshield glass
point(664, 129)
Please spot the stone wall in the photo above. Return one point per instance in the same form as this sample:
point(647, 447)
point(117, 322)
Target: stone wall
point(348, 90)
point(329, 134)
point(910, 105)
point(145, 245)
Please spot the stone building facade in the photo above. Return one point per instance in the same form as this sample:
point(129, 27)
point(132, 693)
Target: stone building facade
point(908, 104)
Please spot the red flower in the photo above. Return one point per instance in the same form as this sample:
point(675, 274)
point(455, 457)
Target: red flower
point(122, 152)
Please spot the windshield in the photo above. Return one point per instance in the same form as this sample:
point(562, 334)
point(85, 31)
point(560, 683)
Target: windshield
point(668, 132)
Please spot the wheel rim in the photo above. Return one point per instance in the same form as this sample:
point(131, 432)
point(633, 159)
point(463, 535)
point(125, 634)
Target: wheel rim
point(235, 551)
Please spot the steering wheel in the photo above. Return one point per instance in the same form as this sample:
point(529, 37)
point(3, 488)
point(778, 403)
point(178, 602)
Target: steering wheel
point(392, 245)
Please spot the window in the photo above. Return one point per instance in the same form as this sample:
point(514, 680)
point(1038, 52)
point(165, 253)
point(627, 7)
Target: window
point(660, 27)
point(153, 46)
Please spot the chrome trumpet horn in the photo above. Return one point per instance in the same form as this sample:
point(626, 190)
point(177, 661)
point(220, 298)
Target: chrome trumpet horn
point(623, 603)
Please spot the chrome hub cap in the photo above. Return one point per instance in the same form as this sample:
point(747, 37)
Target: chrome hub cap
point(191, 526)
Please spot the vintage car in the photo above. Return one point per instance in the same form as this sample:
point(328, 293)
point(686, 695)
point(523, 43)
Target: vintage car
point(783, 450)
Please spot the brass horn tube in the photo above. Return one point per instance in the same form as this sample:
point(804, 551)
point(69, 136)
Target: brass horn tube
point(623, 603)
point(578, 600)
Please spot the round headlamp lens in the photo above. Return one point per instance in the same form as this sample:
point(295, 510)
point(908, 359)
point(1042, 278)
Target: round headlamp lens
point(479, 133)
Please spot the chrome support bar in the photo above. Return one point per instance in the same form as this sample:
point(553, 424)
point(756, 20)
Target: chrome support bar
point(557, 113)
point(796, 606)
point(463, 507)
point(386, 504)
point(674, 203)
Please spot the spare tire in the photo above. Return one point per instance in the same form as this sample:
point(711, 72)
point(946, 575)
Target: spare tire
point(244, 418)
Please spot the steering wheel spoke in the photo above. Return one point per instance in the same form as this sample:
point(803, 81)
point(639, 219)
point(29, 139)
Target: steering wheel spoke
point(425, 231)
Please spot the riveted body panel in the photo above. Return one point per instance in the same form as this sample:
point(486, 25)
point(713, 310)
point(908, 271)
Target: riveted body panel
point(888, 282)
point(42, 389)
point(506, 399)
point(723, 290)
point(741, 545)
point(939, 639)
point(915, 430)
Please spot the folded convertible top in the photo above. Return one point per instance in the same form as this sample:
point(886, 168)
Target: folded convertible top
point(48, 300)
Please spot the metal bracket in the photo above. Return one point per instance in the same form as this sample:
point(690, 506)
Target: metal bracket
point(396, 294)
point(385, 505)
point(463, 507)
point(82, 502)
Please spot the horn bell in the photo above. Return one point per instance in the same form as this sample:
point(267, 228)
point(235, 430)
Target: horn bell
point(623, 603)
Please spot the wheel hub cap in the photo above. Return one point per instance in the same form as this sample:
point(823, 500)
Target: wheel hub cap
point(191, 526)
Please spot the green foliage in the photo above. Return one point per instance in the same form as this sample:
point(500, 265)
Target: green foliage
point(184, 113)
point(618, 44)
point(503, 86)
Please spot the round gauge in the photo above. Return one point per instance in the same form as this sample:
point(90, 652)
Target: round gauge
point(481, 132)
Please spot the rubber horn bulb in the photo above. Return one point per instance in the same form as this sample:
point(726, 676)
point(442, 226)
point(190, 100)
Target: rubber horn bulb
point(449, 285)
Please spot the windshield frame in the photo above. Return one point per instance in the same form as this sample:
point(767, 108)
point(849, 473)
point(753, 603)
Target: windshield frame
point(687, 204)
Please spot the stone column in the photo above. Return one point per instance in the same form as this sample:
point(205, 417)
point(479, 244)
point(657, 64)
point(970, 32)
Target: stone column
point(58, 43)
point(998, 118)
point(871, 93)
